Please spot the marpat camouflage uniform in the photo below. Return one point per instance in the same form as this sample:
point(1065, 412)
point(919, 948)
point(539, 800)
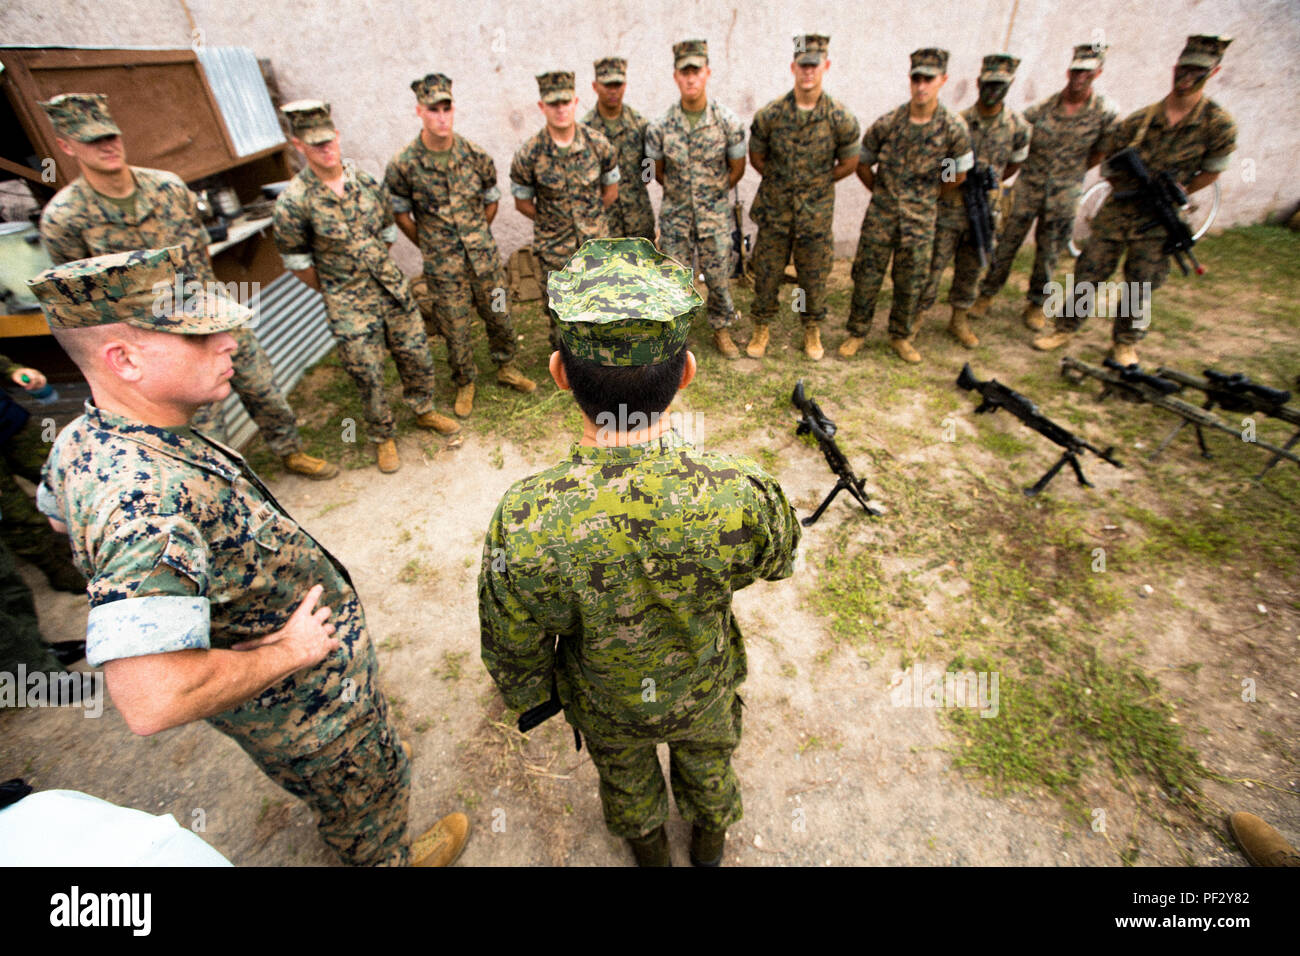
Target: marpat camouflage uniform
point(79, 223)
point(910, 159)
point(695, 217)
point(996, 141)
point(461, 263)
point(795, 204)
point(631, 215)
point(368, 299)
point(1048, 189)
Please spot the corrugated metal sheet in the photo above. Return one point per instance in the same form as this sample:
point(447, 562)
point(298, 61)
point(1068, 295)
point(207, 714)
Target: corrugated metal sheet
point(237, 84)
point(294, 332)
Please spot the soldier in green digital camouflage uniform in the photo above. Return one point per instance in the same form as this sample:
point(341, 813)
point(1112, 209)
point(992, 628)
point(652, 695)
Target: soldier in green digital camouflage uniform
point(631, 215)
point(334, 225)
point(918, 149)
point(113, 207)
point(801, 144)
point(203, 591)
point(698, 148)
point(1000, 141)
point(630, 550)
point(445, 196)
point(1069, 128)
point(565, 179)
point(1187, 135)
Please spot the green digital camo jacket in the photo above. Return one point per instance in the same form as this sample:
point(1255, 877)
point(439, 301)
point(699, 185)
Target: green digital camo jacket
point(632, 215)
point(631, 555)
point(800, 147)
point(565, 185)
point(696, 195)
point(910, 160)
point(448, 202)
point(1060, 147)
point(996, 141)
point(185, 548)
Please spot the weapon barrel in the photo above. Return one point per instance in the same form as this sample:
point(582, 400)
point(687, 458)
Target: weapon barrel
point(1262, 402)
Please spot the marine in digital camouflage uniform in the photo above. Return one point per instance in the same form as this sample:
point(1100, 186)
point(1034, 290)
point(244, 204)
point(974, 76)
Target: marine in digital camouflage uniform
point(914, 160)
point(337, 242)
point(565, 179)
point(83, 221)
point(445, 196)
point(629, 551)
point(801, 144)
point(202, 588)
point(1000, 141)
point(1069, 129)
point(631, 215)
point(1187, 135)
point(698, 147)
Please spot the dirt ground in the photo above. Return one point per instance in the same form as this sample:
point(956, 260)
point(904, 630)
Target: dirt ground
point(833, 773)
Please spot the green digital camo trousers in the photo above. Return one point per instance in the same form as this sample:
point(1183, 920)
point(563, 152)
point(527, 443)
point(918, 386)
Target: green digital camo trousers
point(714, 264)
point(812, 265)
point(454, 287)
point(632, 791)
point(20, 633)
point(1114, 236)
point(1051, 238)
point(254, 383)
point(359, 787)
point(949, 245)
point(26, 531)
point(363, 345)
point(908, 274)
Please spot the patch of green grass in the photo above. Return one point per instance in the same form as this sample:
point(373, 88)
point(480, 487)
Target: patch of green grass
point(452, 665)
point(417, 571)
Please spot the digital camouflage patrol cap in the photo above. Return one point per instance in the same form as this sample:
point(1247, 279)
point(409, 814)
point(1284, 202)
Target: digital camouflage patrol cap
point(612, 69)
point(310, 121)
point(432, 89)
point(1203, 50)
point(930, 61)
point(148, 289)
point(998, 67)
point(83, 117)
point(623, 302)
point(556, 86)
point(690, 53)
point(811, 48)
point(1088, 56)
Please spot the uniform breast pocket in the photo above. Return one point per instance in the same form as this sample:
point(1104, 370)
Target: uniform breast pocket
point(551, 183)
point(331, 232)
point(270, 531)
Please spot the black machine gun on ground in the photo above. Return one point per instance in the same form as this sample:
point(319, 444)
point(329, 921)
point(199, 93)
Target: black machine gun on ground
point(1162, 197)
point(975, 191)
point(814, 422)
point(996, 395)
point(1134, 385)
point(1235, 393)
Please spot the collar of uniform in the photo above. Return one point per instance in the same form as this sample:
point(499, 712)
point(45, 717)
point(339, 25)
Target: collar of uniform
point(988, 122)
point(1161, 121)
point(598, 454)
point(706, 117)
point(424, 154)
point(315, 182)
point(195, 451)
point(1059, 102)
point(579, 133)
point(819, 107)
point(143, 199)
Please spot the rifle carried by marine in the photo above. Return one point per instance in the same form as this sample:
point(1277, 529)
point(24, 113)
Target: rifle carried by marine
point(975, 189)
point(1162, 197)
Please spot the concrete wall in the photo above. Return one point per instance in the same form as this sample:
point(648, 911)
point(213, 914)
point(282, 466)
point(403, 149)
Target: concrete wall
point(362, 54)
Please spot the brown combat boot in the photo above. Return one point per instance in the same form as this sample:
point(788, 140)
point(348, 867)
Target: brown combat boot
point(1124, 354)
point(905, 351)
point(439, 423)
point(812, 342)
point(981, 307)
point(707, 846)
point(849, 347)
point(722, 339)
point(1033, 317)
point(960, 329)
point(509, 374)
point(758, 341)
point(464, 400)
point(1045, 343)
point(651, 849)
point(441, 844)
point(313, 468)
point(1262, 844)
point(386, 456)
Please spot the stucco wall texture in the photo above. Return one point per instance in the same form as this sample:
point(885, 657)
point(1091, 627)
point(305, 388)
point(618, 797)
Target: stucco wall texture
point(362, 54)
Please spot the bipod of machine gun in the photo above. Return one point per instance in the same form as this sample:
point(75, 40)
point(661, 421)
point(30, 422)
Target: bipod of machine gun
point(814, 422)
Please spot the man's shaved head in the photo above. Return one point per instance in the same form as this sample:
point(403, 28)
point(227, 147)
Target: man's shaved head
point(83, 345)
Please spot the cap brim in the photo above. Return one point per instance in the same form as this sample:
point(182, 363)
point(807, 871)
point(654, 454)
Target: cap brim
point(995, 77)
point(686, 61)
point(435, 99)
point(95, 131)
point(611, 78)
point(206, 316)
point(557, 96)
point(315, 137)
point(810, 59)
point(926, 71)
point(1088, 64)
point(1203, 60)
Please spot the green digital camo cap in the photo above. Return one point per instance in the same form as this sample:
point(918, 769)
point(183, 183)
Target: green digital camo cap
point(811, 48)
point(998, 67)
point(612, 69)
point(1203, 50)
point(690, 53)
point(432, 89)
point(83, 117)
point(310, 121)
point(555, 86)
point(149, 289)
point(623, 302)
point(930, 61)
point(1088, 56)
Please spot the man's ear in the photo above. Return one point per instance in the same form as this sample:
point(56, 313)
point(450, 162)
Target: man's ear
point(688, 370)
point(557, 372)
point(65, 146)
point(122, 359)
